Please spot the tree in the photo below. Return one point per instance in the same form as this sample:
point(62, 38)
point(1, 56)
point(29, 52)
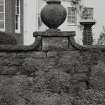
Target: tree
point(101, 39)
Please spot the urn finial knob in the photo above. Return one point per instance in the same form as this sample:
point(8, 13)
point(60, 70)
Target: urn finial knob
point(53, 14)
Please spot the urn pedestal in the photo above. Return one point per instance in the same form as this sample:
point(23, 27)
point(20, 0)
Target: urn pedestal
point(53, 15)
point(87, 31)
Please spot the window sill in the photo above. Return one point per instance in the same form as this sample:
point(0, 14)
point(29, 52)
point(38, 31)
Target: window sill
point(71, 24)
point(18, 32)
point(3, 30)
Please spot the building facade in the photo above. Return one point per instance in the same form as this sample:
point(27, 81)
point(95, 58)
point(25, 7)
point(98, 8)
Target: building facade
point(22, 18)
point(11, 18)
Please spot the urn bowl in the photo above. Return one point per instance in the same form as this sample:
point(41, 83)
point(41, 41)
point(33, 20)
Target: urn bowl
point(53, 14)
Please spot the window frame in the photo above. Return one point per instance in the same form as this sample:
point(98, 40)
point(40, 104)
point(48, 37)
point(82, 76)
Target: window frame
point(3, 29)
point(68, 15)
point(17, 16)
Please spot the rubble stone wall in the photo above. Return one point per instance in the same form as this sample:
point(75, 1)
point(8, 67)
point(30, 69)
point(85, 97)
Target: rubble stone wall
point(41, 75)
point(52, 77)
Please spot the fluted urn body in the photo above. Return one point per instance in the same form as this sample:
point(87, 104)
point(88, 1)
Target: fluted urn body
point(53, 14)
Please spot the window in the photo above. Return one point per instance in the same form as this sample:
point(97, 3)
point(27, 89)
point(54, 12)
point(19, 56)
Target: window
point(87, 13)
point(17, 16)
point(2, 15)
point(71, 17)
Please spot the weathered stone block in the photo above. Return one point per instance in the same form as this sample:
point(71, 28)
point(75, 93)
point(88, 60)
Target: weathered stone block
point(52, 54)
point(53, 43)
point(37, 54)
point(97, 78)
point(80, 77)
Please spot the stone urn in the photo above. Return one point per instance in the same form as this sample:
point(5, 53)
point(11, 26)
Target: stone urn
point(53, 14)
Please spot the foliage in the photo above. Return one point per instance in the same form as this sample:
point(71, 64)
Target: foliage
point(101, 39)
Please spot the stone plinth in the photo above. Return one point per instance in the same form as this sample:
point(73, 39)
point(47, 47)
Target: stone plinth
point(55, 40)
